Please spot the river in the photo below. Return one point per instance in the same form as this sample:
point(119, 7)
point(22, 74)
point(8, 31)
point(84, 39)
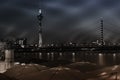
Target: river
point(102, 59)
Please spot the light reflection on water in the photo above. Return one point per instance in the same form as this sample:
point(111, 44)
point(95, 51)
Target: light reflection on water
point(98, 58)
point(73, 57)
point(101, 59)
point(48, 56)
point(114, 58)
point(60, 54)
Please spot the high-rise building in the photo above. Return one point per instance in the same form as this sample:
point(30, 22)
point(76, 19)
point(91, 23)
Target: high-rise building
point(21, 42)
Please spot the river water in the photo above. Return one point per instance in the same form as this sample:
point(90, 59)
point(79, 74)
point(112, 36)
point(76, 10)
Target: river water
point(102, 59)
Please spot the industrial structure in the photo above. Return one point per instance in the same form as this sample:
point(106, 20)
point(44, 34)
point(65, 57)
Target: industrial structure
point(102, 34)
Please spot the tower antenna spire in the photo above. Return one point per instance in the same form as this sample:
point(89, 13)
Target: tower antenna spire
point(40, 18)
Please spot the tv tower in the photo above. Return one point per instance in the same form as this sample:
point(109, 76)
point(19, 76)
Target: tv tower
point(40, 17)
point(102, 33)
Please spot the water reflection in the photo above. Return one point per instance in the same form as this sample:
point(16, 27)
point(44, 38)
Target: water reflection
point(101, 59)
point(60, 54)
point(98, 58)
point(73, 57)
point(48, 56)
point(114, 58)
point(52, 56)
point(40, 55)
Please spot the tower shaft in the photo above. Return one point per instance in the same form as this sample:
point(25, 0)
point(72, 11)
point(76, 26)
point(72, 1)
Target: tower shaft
point(40, 17)
point(40, 37)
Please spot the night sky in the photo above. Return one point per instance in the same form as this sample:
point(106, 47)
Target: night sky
point(64, 20)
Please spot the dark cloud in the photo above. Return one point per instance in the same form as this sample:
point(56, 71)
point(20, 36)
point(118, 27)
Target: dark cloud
point(64, 20)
